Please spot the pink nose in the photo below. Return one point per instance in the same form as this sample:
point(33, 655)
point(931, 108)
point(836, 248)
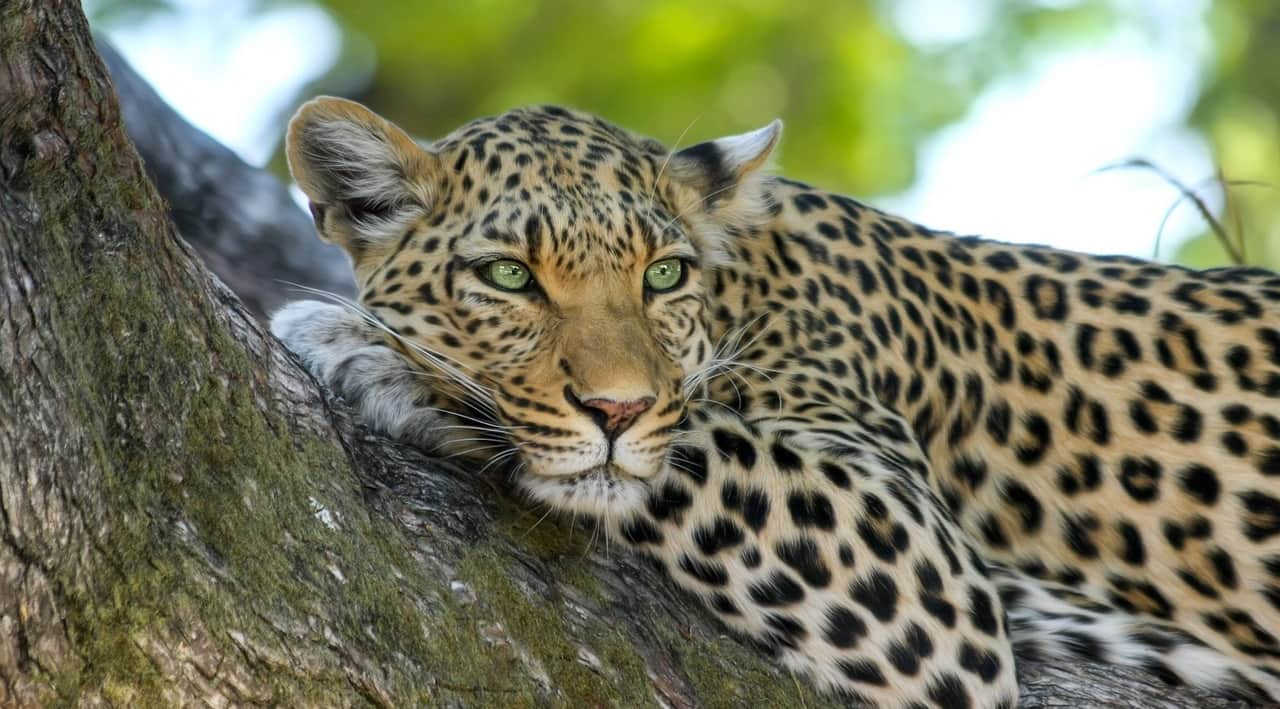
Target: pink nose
point(613, 417)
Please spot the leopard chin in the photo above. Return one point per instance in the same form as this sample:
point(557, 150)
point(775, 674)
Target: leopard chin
point(602, 492)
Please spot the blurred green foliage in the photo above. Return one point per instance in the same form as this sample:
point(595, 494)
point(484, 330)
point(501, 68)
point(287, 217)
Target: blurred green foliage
point(859, 98)
point(1239, 113)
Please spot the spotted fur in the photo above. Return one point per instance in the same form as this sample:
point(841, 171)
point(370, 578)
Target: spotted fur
point(892, 456)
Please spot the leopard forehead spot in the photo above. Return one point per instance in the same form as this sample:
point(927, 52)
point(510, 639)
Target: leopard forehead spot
point(564, 190)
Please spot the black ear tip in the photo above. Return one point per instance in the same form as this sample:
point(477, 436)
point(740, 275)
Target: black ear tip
point(706, 154)
point(366, 208)
point(706, 161)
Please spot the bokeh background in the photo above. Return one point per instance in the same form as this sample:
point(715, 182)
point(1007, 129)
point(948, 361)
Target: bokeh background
point(1085, 124)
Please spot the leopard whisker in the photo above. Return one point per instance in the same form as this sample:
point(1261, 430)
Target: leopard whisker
point(721, 404)
point(498, 458)
point(497, 426)
point(444, 363)
point(545, 515)
point(475, 449)
point(653, 189)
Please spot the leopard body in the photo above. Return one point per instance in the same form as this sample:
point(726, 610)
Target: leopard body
point(896, 458)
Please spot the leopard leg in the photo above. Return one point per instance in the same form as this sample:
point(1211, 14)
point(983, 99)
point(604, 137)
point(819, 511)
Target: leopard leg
point(814, 535)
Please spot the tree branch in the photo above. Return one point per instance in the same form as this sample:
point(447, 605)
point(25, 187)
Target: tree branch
point(185, 517)
point(240, 219)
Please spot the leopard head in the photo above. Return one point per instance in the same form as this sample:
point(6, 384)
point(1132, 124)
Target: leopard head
point(548, 272)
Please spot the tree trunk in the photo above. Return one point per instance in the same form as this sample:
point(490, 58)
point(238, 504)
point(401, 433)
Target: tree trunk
point(184, 516)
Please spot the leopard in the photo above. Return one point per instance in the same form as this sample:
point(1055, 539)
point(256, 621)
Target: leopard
point(896, 459)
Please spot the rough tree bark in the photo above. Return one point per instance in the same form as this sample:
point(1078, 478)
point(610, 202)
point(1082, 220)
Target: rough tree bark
point(184, 516)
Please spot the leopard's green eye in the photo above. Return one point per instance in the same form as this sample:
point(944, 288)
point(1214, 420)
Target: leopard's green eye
point(664, 275)
point(506, 274)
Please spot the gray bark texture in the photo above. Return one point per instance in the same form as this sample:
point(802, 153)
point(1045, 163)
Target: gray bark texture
point(186, 518)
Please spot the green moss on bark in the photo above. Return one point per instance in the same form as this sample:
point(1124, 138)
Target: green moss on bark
point(554, 541)
point(189, 447)
point(753, 683)
point(607, 672)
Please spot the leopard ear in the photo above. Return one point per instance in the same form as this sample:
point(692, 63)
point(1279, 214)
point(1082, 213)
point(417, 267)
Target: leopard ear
point(725, 177)
point(366, 178)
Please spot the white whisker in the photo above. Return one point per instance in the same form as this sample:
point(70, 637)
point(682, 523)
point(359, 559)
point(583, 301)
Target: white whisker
point(546, 514)
point(443, 363)
point(653, 189)
point(475, 449)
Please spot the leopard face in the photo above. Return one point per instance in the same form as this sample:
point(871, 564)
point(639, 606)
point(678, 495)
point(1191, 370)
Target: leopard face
point(546, 270)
